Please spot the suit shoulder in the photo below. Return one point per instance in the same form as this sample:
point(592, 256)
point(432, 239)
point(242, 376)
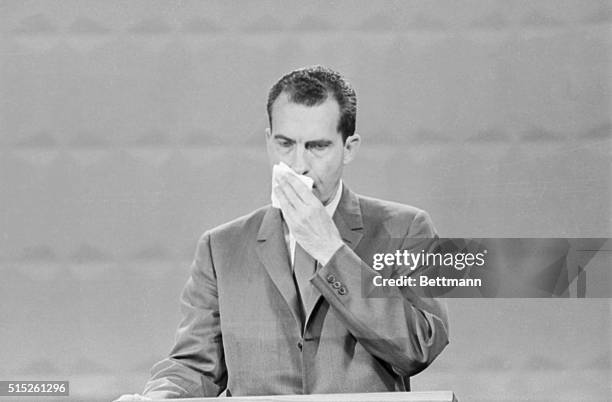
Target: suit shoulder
point(245, 226)
point(388, 209)
point(398, 218)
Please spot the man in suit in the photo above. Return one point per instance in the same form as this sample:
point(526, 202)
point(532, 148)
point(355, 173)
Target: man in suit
point(277, 300)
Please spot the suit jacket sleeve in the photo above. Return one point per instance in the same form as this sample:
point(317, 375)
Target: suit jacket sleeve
point(196, 365)
point(407, 331)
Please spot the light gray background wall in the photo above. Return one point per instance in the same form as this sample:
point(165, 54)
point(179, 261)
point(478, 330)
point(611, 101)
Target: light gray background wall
point(127, 128)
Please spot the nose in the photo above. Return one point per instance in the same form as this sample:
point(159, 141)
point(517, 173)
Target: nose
point(300, 163)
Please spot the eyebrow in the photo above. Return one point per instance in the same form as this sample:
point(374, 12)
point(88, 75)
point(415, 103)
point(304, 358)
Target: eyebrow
point(308, 143)
point(282, 137)
point(318, 142)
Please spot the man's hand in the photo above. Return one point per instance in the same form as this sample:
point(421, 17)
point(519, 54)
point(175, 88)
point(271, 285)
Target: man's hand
point(307, 219)
point(132, 397)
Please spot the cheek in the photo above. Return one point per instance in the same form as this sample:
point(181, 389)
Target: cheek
point(274, 155)
point(329, 172)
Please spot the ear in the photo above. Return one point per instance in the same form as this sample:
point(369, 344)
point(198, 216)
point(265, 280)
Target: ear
point(268, 138)
point(269, 148)
point(351, 146)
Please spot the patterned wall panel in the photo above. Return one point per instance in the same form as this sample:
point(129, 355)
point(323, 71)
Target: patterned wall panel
point(128, 128)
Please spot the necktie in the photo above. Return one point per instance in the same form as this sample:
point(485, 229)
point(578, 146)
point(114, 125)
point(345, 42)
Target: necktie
point(303, 269)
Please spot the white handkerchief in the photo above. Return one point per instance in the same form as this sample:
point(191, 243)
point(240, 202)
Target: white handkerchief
point(282, 169)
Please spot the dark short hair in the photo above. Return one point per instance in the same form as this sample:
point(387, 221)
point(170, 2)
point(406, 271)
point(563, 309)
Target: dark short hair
point(312, 86)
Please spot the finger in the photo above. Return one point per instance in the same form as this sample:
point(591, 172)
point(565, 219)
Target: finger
point(289, 211)
point(291, 194)
point(300, 188)
point(281, 195)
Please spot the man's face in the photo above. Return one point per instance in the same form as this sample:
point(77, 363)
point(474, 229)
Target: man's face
point(306, 139)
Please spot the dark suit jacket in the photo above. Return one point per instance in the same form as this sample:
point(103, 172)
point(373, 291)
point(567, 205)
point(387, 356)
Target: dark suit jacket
point(242, 330)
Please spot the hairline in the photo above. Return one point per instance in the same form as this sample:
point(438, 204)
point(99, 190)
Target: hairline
point(329, 95)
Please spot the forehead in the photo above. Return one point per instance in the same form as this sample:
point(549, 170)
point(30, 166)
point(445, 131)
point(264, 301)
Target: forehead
point(290, 118)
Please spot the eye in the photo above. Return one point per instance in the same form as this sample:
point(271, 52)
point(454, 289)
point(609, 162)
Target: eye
point(318, 146)
point(284, 143)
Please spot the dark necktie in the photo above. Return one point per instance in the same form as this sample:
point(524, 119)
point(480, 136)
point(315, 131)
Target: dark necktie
point(303, 269)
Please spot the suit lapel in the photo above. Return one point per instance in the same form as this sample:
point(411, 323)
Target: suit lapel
point(272, 252)
point(348, 218)
point(349, 222)
point(272, 249)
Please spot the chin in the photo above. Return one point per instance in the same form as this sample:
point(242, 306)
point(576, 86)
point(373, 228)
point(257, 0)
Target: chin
point(324, 200)
point(317, 194)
